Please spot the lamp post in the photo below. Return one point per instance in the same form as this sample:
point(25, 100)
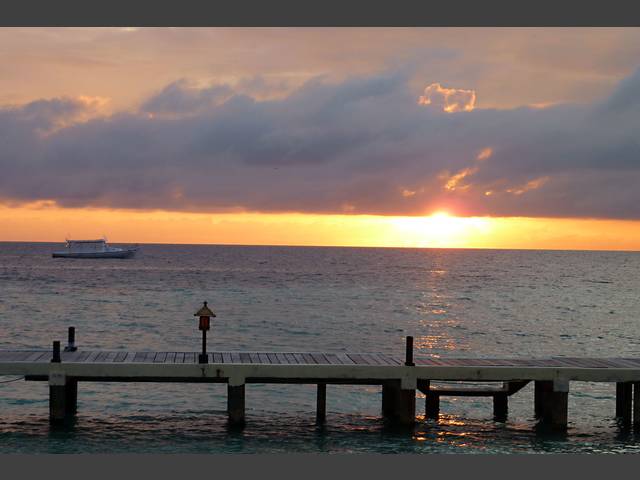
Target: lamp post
point(205, 314)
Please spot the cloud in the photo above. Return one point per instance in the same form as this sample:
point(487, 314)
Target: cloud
point(449, 100)
point(183, 96)
point(362, 145)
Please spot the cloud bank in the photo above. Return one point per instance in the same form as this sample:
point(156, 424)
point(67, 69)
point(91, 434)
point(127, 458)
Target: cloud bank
point(365, 145)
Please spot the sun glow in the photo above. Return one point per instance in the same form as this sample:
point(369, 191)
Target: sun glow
point(46, 222)
point(443, 230)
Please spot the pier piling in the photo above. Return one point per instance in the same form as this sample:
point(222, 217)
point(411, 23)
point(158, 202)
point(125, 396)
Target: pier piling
point(321, 403)
point(500, 406)
point(636, 404)
point(432, 406)
point(235, 404)
point(624, 392)
point(398, 404)
point(551, 403)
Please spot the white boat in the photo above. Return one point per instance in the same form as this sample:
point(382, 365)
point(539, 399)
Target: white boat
point(93, 249)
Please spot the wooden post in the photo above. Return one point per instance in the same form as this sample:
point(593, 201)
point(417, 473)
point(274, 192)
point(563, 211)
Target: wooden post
point(71, 340)
point(389, 400)
point(623, 401)
point(432, 405)
point(235, 404)
point(58, 405)
point(409, 353)
point(321, 403)
point(406, 414)
point(56, 352)
point(500, 406)
point(398, 404)
point(541, 389)
point(552, 403)
point(71, 394)
point(636, 404)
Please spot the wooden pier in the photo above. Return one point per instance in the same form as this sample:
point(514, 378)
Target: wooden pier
point(399, 378)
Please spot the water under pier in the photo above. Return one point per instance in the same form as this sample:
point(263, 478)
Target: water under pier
point(400, 379)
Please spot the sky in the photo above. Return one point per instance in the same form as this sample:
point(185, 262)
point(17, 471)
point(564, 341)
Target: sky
point(410, 137)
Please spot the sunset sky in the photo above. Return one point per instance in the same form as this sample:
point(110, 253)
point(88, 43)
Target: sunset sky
point(410, 137)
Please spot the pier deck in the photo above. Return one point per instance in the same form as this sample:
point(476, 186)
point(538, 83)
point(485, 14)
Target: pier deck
point(399, 378)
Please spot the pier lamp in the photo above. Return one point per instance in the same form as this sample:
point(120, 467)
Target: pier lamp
point(205, 314)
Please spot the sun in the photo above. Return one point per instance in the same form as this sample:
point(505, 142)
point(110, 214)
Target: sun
point(441, 230)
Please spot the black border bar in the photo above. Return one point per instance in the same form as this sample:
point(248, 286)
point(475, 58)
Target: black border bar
point(311, 13)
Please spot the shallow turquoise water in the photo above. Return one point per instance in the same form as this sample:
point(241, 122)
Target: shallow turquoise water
point(454, 302)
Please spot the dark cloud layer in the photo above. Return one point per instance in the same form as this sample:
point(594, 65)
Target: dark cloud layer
point(365, 145)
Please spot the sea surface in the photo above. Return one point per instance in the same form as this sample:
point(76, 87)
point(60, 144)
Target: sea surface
point(456, 303)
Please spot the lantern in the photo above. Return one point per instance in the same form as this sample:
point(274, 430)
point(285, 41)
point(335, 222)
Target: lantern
point(205, 314)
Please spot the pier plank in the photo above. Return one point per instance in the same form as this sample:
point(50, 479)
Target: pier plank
point(345, 359)
point(139, 357)
point(300, 358)
point(111, 357)
point(332, 358)
point(308, 359)
point(120, 357)
point(273, 359)
point(264, 358)
point(282, 359)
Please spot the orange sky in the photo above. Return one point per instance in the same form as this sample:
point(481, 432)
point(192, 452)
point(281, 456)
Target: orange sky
point(53, 224)
point(99, 116)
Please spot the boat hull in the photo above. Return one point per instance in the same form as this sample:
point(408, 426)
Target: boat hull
point(125, 253)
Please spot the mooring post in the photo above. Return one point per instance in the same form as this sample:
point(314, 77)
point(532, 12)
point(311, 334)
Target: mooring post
point(71, 340)
point(56, 352)
point(636, 404)
point(624, 391)
point(321, 403)
point(500, 406)
point(235, 404)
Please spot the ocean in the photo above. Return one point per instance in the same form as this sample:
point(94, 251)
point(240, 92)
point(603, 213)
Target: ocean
point(457, 303)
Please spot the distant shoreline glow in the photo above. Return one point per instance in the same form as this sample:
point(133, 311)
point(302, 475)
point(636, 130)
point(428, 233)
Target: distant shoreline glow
point(47, 223)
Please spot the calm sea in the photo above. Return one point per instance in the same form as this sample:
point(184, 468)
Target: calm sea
point(479, 303)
